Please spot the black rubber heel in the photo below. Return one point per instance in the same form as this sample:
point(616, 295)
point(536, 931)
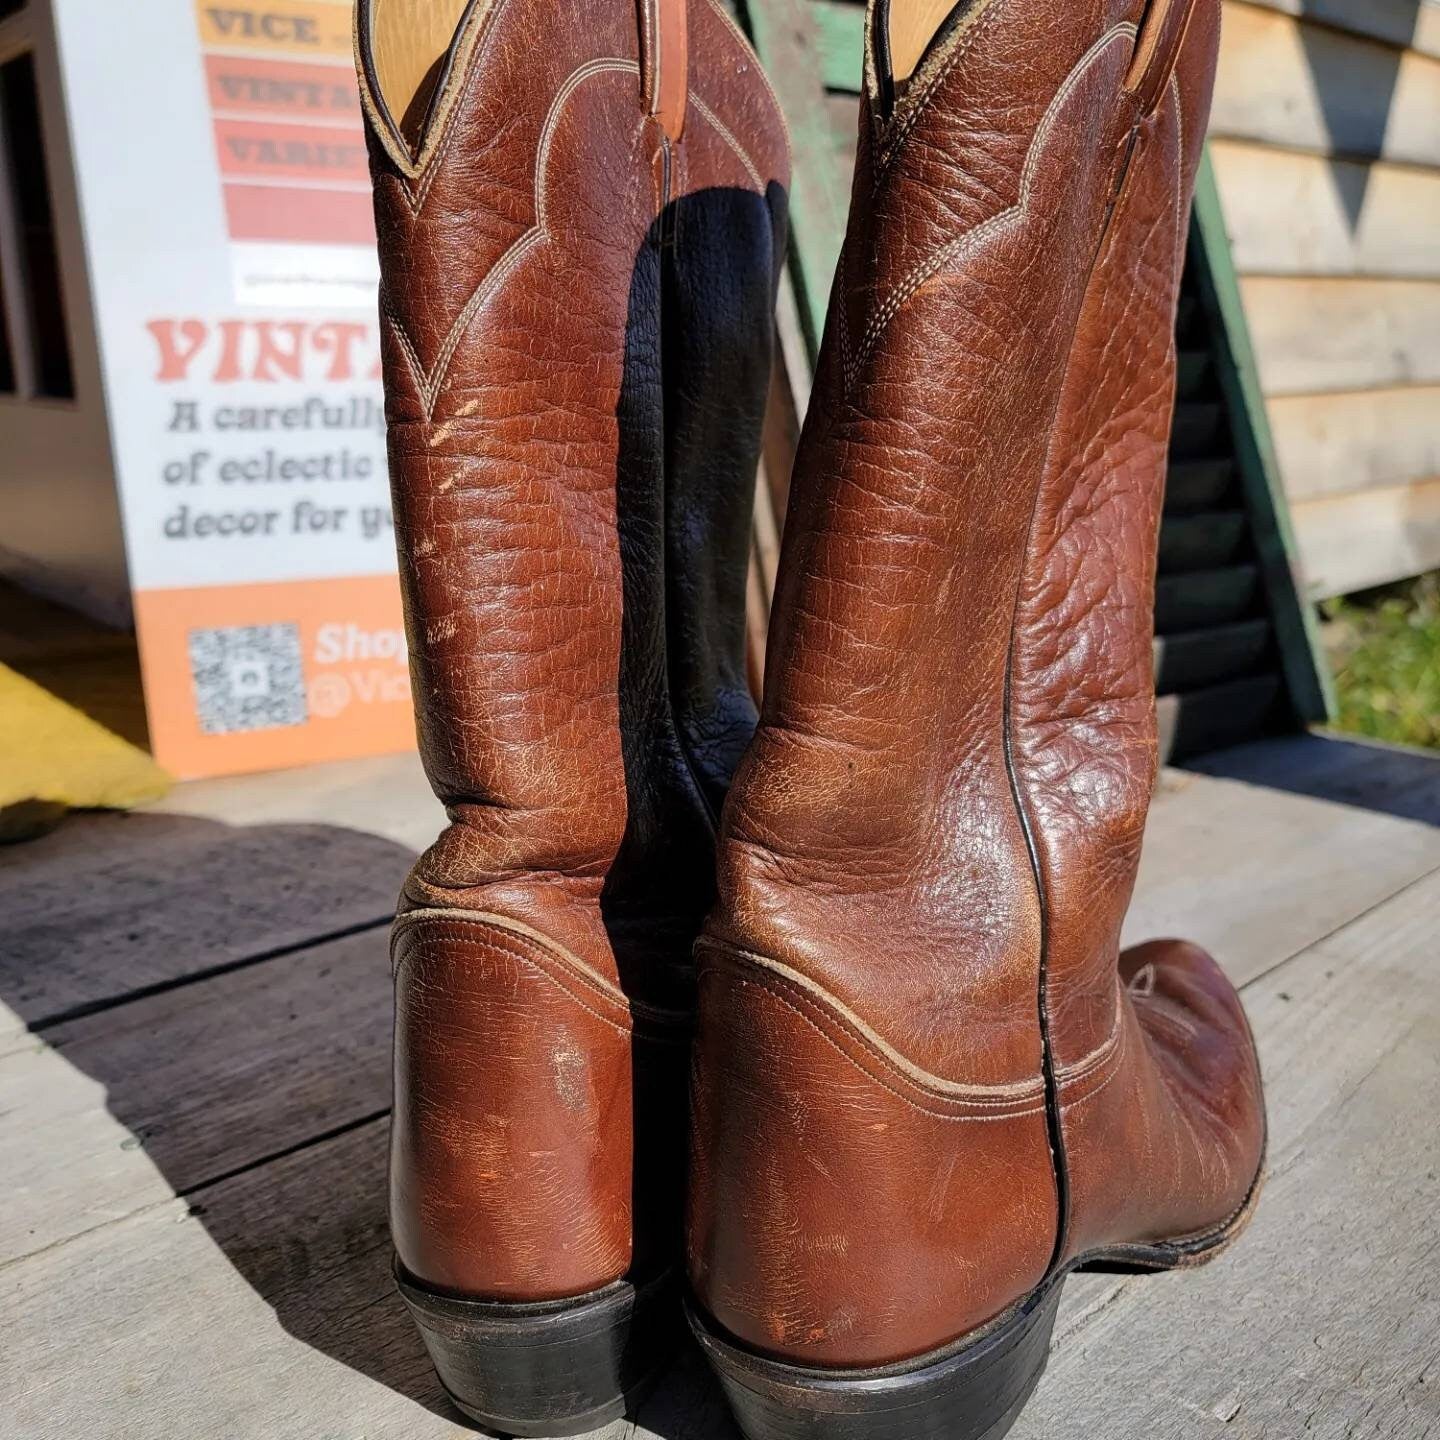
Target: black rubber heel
point(561, 1367)
point(972, 1390)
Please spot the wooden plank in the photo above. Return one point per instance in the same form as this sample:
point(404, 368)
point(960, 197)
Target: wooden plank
point(167, 1093)
point(387, 796)
point(262, 1305)
point(1309, 686)
point(1320, 1322)
point(261, 1309)
point(1307, 87)
point(1205, 598)
point(1204, 657)
point(1395, 779)
point(1343, 334)
point(1201, 542)
point(1351, 542)
point(1405, 23)
point(113, 904)
point(1336, 444)
point(1209, 839)
point(1340, 217)
point(1199, 485)
point(1217, 715)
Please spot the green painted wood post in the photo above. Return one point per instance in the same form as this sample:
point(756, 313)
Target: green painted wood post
point(787, 39)
point(842, 44)
point(1297, 630)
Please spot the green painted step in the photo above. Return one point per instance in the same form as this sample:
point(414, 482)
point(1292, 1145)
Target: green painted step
point(1203, 657)
point(1203, 598)
point(1194, 372)
point(1207, 541)
point(1219, 715)
point(1198, 431)
point(1199, 485)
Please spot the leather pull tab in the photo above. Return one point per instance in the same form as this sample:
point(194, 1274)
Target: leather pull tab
point(665, 62)
point(1157, 49)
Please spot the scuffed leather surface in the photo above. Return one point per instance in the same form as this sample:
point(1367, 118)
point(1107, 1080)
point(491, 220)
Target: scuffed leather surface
point(959, 670)
point(531, 256)
point(839, 1203)
point(503, 1153)
point(1185, 1108)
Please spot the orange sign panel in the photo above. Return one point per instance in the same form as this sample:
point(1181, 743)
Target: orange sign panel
point(260, 677)
point(305, 27)
point(246, 85)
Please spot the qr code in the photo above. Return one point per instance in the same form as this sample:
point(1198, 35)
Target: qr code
point(247, 677)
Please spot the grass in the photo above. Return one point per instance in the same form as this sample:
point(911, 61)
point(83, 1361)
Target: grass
point(1385, 647)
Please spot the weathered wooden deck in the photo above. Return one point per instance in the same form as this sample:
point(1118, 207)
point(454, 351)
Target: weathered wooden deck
point(194, 1079)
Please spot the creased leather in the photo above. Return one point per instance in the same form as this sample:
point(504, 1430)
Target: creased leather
point(935, 833)
point(538, 246)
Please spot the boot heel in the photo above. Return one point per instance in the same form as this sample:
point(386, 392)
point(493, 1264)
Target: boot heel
point(973, 1390)
point(559, 1367)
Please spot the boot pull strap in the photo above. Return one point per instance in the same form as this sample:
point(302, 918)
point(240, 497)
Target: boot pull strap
point(1157, 49)
point(665, 62)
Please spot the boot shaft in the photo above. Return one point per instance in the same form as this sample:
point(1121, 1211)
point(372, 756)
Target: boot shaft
point(565, 511)
point(580, 224)
point(931, 844)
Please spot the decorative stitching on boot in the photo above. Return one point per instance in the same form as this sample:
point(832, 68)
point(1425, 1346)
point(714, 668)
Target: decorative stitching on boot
point(972, 239)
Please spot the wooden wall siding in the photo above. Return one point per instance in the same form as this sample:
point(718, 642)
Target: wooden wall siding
point(1325, 139)
point(1296, 214)
point(1412, 24)
point(1342, 334)
point(1369, 537)
point(1340, 443)
point(1306, 87)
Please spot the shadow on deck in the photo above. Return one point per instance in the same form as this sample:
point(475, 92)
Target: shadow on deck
point(1386, 778)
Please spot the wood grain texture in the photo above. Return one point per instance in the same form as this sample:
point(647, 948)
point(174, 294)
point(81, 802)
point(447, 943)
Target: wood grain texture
point(1323, 1323)
point(111, 904)
point(1413, 24)
point(1256, 875)
point(1295, 214)
point(1370, 537)
point(260, 1306)
point(260, 1309)
point(1343, 334)
point(1336, 444)
point(1303, 86)
point(167, 1093)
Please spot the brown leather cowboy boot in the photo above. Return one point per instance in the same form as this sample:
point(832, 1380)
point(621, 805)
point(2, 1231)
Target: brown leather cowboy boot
point(580, 212)
point(928, 1085)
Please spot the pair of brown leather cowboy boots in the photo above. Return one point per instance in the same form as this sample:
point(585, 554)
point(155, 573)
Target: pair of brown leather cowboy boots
point(924, 1084)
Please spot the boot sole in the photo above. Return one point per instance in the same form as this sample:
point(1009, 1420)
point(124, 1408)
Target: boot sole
point(557, 1367)
point(972, 1389)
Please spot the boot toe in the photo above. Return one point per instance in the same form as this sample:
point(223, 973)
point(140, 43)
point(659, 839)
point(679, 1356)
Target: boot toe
point(1201, 1045)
